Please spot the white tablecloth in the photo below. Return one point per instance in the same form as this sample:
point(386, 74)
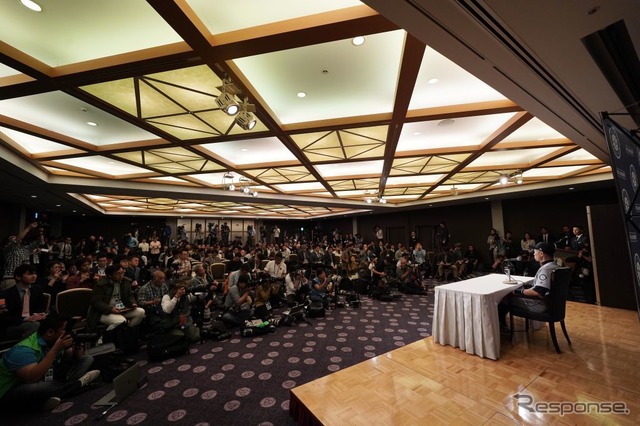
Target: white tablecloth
point(466, 313)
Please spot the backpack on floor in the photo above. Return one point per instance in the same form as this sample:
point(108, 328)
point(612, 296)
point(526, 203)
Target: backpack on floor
point(257, 330)
point(316, 310)
point(164, 346)
point(126, 339)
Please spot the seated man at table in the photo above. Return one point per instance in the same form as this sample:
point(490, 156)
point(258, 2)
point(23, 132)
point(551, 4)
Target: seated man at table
point(530, 297)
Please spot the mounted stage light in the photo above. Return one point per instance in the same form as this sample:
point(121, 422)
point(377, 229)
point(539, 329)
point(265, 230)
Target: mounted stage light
point(246, 120)
point(227, 103)
point(504, 180)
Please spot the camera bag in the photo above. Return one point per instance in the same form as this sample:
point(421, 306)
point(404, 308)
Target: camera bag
point(164, 346)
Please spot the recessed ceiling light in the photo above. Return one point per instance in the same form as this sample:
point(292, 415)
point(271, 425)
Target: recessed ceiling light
point(34, 196)
point(358, 41)
point(571, 188)
point(92, 123)
point(486, 198)
point(417, 133)
point(57, 205)
point(73, 211)
point(446, 122)
point(302, 94)
point(244, 150)
point(433, 80)
point(31, 5)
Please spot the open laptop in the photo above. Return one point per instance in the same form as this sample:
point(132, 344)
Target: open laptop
point(123, 385)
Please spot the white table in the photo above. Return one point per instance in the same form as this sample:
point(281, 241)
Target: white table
point(465, 313)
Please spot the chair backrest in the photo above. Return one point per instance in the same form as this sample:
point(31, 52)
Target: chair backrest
point(218, 270)
point(47, 301)
point(74, 302)
point(559, 292)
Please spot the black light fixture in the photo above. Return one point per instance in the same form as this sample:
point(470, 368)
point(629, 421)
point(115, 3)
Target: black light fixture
point(246, 120)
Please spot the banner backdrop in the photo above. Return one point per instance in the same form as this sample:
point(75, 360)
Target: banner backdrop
point(624, 151)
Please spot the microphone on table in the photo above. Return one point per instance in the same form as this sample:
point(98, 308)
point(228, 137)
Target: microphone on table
point(507, 270)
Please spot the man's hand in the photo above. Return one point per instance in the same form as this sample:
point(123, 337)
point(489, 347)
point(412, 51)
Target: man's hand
point(115, 310)
point(62, 343)
point(181, 291)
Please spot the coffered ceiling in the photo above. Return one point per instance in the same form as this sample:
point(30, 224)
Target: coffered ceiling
point(113, 105)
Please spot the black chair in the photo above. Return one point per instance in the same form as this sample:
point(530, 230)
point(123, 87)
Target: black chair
point(549, 309)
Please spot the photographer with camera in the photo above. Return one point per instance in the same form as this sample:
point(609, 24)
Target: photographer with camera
point(238, 303)
point(43, 368)
point(296, 287)
point(408, 275)
point(321, 287)
point(266, 290)
point(55, 281)
point(176, 309)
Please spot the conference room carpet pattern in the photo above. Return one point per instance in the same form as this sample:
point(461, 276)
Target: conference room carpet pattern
point(246, 380)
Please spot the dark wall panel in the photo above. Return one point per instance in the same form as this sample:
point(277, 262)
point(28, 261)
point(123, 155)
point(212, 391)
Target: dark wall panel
point(553, 211)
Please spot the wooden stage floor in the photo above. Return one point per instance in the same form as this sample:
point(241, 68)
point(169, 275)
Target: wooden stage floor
point(427, 383)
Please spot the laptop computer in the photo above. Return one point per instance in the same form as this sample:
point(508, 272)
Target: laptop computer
point(123, 385)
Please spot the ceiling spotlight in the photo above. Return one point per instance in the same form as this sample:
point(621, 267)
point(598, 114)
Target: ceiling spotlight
point(31, 5)
point(433, 80)
point(254, 194)
point(227, 103)
point(232, 187)
point(519, 180)
point(246, 190)
point(246, 120)
point(504, 180)
point(382, 200)
point(357, 41)
point(453, 191)
point(368, 200)
point(302, 94)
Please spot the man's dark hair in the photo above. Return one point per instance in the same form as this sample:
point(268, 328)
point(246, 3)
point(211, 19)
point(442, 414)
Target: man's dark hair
point(23, 269)
point(111, 269)
point(53, 321)
point(319, 271)
point(243, 278)
point(245, 267)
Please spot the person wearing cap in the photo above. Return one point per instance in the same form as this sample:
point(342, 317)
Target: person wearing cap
point(543, 254)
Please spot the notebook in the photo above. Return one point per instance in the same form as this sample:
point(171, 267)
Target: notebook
point(123, 386)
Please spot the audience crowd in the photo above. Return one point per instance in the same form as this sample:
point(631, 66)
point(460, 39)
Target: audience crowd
point(151, 282)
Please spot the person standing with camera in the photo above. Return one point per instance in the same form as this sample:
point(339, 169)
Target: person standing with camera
point(43, 368)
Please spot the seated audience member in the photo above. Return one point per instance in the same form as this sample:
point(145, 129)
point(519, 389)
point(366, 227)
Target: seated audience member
point(446, 263)
point(419, 255)
point(527, 243)
point(458, 260)
point(564, 239)
point(497, 266)
point(25, 305)
point(112, 301)
point(545, 236)
point(55, 281)
point(276, 268)
point(296, 287)
point(238, 303)
point(232, 278)
point(44, 367)
point(263, 295)
point(353, 267)
point(176, 309)
point(378, 269)
point(135, 272)
point(472, 263)
point(527, 297)
point(182, 265)
point(80, 276)
point(320, 288)
point(150, 297)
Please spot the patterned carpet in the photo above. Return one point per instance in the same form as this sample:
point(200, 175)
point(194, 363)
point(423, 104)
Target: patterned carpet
point(247, 380)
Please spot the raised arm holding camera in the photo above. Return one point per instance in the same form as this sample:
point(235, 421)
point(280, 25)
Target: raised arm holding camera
point(43, 368)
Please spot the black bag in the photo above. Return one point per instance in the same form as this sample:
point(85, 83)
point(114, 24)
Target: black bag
point(216, 330)
point(126, 339)
point(362, 286)
point(316, 310)
point(163, 346)
point(353, 300)
point(386, 297)
point(257, 331)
